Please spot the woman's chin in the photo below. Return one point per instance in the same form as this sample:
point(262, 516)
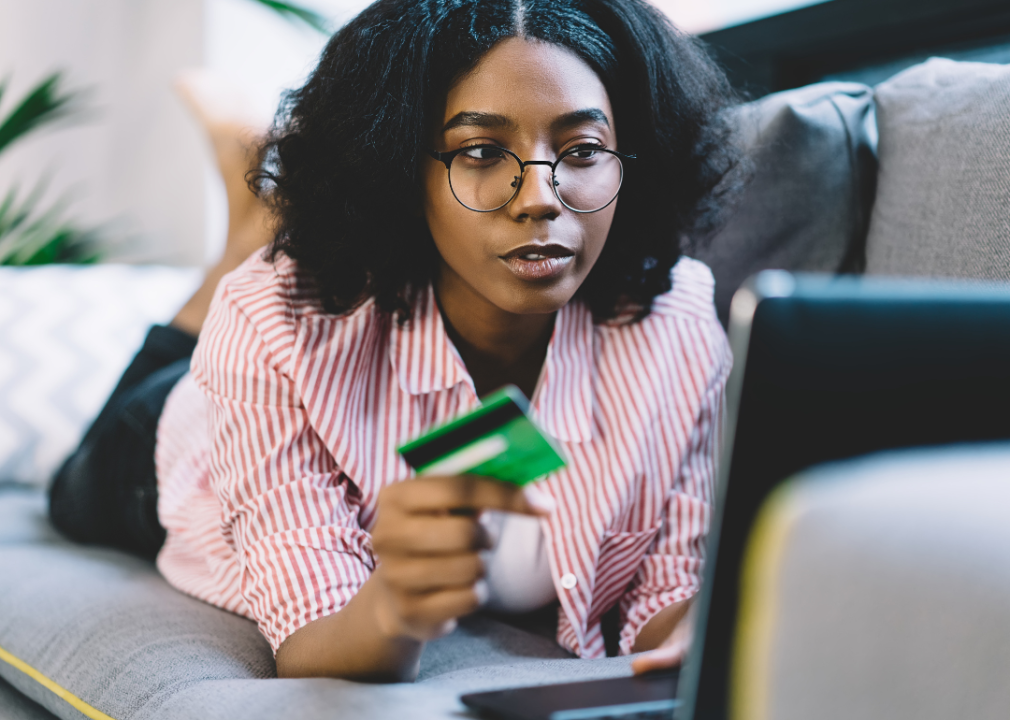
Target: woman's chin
point(538, 298)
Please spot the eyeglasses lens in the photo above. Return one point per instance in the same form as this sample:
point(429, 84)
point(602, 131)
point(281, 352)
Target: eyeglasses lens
point(588, 181)
point(484, 178)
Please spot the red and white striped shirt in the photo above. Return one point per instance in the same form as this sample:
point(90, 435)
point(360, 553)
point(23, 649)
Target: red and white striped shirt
point(268, 515)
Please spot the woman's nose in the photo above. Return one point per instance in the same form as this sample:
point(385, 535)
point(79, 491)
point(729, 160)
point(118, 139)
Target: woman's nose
point(536, 198)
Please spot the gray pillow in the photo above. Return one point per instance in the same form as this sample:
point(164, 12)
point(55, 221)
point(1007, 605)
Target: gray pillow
point(943, 198)
point(15, 706)
point(807, 204)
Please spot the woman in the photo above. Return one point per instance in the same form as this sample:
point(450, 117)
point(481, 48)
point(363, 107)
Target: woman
point(446, 190)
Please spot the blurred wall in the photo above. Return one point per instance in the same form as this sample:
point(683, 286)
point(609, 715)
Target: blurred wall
point(136, 161)
point(698, 16)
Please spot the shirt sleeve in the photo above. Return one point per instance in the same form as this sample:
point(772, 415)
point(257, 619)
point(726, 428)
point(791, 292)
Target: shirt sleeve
point(287, 510)
point(671, 569)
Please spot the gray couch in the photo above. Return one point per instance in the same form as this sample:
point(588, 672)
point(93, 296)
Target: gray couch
point(87, 632)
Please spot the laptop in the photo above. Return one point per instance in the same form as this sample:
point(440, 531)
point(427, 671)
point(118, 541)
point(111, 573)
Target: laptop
point(826, 368)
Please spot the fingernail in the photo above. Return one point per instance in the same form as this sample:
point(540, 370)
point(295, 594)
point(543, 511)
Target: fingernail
point(539, 500)
point(482, 591)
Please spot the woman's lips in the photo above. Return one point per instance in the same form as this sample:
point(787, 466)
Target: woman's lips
point(542, 269)
point(532, 262)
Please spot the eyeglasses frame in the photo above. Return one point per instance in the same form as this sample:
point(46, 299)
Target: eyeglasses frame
point(446, 159)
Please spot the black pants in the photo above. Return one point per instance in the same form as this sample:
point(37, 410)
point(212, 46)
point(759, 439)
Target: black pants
point(106, 492)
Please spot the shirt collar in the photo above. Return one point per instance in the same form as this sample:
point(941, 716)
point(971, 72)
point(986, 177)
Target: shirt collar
point(563, 404)
point(424, 358)
point(426, 361)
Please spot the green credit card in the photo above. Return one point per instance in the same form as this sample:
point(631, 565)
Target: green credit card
point(496, 440)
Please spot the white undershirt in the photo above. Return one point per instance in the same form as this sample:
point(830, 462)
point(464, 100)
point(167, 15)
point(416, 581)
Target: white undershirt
point(518, 571)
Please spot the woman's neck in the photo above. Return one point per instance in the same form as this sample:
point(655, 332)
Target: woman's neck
point(497, 347)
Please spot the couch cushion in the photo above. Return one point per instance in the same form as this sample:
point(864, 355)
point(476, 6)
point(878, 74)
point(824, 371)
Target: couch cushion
point(943, 198)
point(807, 204)
point(66, 333)
point(107, 629)
point(879, 589)
point(15, 706)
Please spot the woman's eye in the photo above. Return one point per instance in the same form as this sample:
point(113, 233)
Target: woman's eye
point(583, 153)
point(483, 152)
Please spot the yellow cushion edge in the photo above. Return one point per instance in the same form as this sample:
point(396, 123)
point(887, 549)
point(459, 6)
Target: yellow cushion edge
point(759, 602)
point(45, 682)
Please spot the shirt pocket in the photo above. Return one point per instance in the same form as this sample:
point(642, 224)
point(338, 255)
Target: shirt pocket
point(620, 556)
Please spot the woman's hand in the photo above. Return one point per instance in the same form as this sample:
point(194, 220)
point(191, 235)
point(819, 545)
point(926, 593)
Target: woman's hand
point(672, 651)
point(427, 539)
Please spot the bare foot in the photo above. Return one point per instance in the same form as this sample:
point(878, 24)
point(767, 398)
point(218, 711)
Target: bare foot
point(234, 129)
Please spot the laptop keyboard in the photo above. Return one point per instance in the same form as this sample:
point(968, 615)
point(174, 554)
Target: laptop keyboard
point(657, 710)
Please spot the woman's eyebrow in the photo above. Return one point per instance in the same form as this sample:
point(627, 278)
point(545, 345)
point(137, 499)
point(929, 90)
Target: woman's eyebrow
point(491, 121)
point(579, 117)
point(494, 121)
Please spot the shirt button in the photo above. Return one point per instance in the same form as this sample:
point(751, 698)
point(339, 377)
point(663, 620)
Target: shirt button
point(568, 581)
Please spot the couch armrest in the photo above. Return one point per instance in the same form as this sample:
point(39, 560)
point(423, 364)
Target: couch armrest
point(880, 588)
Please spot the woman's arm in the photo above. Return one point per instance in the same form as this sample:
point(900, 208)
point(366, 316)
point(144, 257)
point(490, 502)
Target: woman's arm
point(657, 605)
point(667, 637)
point(350, 645)
point(661, 626)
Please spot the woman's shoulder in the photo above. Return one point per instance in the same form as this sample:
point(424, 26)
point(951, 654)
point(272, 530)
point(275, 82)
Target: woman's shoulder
point(266, 320)
point(276, 290)
point(691, 295)
point(681, 339)
point(263, 284)
point(273, 298)
point(690, 299)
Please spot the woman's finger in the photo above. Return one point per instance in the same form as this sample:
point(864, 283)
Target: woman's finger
point(437, 494)
point(666, 656)
point(429, 616)
point(423, 535)
point(425, 575)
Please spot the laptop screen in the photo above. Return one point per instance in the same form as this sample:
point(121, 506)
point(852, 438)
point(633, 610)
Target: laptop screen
point(829, 368)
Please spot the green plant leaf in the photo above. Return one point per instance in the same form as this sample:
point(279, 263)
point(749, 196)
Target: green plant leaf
point(29, 236)
point(43, 105)
point(293, 11)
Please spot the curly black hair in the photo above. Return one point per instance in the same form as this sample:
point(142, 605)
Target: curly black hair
point(341, 165)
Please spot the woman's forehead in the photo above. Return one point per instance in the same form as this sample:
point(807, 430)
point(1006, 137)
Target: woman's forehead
point(521, 81)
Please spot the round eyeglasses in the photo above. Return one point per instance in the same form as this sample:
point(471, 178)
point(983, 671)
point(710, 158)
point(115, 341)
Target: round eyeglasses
point(485, 178)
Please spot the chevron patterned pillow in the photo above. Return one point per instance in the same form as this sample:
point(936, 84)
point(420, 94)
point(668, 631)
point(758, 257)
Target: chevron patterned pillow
point(66, 334)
